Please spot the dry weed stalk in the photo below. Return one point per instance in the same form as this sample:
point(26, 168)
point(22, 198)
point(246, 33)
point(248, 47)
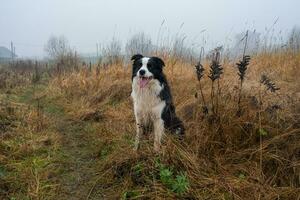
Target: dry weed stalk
point(200, 73)
point(215, 73)
point(242, 67)
point(268, 83)
point(265, 80)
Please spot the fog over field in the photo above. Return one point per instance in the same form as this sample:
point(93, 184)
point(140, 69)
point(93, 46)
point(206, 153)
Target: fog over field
point(30, 23)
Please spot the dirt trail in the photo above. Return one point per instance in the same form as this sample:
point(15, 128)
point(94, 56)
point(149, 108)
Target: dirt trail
point(78, 159)
point(77, 155)
point(78, 162)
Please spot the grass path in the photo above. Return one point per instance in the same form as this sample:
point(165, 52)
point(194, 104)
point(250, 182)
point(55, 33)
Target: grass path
point(77, 157)
point(72, 156)
point(76, 160)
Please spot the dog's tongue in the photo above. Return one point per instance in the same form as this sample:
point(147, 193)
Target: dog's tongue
point(143, 82)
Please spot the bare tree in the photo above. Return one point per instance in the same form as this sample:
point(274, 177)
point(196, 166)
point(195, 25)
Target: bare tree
point(180, 50)
point(252, 46)
point(112, 52)
point(294, 39)
point(58, 49)
point(139, 43)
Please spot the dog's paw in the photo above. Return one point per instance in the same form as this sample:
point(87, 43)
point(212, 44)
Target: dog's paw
point(136, 146)
point(157, 148)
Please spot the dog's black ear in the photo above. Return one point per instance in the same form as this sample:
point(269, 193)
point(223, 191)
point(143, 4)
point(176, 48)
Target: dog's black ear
point(136, 57)
point(158, 61)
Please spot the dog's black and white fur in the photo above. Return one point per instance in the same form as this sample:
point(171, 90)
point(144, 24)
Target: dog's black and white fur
point(153, 104)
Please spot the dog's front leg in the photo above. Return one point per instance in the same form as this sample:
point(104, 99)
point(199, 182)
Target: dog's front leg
point(139, 130)
point(158, 133)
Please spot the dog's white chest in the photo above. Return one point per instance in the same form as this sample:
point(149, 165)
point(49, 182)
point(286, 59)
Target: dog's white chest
point(147, 103)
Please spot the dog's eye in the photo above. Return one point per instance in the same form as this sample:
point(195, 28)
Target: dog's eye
point(149, 65)
point(140, 64)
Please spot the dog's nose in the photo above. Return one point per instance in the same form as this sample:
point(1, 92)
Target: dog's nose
point(142, 72)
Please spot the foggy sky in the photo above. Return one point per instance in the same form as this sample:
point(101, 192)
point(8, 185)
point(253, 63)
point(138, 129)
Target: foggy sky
point(29, 23)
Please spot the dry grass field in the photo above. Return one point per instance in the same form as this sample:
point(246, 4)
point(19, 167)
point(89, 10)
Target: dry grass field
point(70, 135)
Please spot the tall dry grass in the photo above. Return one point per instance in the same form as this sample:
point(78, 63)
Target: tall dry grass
point(253, 155)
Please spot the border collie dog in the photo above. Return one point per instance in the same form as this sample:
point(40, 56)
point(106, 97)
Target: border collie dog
point(153, 104)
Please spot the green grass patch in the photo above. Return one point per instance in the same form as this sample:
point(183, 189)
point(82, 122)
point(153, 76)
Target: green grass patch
point(54, 109)
point(130, 194)
point(178, 183)
point(27, 94)
point(90, 127)
point(3, 172)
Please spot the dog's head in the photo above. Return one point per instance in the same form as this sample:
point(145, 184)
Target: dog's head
point(146, 69)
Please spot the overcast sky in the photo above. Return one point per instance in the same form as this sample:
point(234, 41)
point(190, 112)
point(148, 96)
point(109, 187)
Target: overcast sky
point(29, 23)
